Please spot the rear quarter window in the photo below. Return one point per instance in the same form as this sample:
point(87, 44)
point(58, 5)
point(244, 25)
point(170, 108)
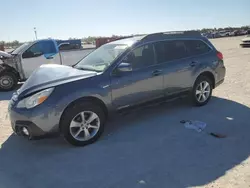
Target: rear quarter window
point(70, 47)
point(197, 47)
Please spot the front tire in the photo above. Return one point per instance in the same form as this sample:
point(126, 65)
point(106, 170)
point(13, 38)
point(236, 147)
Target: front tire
point(202, 91)
point(8, 81)
point(83, 123)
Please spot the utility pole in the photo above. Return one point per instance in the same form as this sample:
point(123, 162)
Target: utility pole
point(35, 33)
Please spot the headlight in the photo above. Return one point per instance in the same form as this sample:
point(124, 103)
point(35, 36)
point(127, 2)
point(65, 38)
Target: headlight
point(36, 99)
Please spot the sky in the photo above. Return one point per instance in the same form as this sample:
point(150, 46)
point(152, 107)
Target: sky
point(61, 19)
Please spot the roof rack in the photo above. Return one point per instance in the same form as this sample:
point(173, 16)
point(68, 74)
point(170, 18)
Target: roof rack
point(196, 33)
point(170, 34)
point(125, 37)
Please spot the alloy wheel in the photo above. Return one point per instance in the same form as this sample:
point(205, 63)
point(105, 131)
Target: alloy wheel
point(84, 125)
point(203, 91)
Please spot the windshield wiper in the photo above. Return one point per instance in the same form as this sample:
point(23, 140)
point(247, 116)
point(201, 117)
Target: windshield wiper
point(87, 69)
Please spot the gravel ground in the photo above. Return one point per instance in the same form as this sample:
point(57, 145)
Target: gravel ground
point(146, 150)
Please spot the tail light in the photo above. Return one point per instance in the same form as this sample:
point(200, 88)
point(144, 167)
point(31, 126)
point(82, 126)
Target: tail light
point(220, 55)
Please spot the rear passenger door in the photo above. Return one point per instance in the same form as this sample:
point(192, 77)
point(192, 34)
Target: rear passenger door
point(199, 53)
point(173, 57)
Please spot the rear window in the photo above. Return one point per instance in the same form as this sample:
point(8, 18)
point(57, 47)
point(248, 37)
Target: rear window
point(69, 47)
point(197, 47)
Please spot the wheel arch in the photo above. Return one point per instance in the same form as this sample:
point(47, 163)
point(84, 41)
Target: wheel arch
point(6, 68)
point(209, 75)
point(95, 100)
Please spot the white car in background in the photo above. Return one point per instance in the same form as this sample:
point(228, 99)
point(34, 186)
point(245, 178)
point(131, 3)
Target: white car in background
point(245, 42)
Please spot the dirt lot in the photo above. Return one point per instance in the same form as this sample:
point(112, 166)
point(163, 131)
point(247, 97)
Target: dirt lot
point(147, 149)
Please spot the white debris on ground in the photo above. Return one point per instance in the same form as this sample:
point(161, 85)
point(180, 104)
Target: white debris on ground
point(196, 125)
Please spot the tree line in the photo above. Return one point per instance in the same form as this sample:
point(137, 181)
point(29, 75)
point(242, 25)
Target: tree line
point(91, 39)
point(14, 43)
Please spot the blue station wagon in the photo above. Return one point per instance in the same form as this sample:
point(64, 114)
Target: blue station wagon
point(76, 101)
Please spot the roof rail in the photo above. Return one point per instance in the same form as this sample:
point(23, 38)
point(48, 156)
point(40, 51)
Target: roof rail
point(124, 37)
point(169, 34)
point(195, 33)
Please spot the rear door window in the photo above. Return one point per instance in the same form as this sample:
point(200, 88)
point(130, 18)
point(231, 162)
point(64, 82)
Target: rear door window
point(69, 47)
point(170, 50)
point(197, 47)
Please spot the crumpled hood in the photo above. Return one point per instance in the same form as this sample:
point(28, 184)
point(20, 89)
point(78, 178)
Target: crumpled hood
point(52, 75)
point(5, 54)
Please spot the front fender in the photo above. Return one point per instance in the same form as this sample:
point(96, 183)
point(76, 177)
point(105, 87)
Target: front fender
point(62, 101)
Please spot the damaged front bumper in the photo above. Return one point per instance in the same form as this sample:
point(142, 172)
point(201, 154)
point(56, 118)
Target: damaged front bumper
point(12, 62)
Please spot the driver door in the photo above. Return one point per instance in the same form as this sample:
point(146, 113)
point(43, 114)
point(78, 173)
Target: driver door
point(42, 52)
point(142, 84)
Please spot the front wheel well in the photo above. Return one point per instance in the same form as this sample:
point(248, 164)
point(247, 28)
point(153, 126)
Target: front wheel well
point(208, 75)
point(94, 100)
point(10, 69)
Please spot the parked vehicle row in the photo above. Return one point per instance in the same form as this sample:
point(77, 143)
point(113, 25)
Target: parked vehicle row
point(226, 33)
point(77, 101)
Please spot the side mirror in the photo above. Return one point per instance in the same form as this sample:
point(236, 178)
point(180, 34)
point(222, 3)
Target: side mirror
point(49, 56)
point(124, 67)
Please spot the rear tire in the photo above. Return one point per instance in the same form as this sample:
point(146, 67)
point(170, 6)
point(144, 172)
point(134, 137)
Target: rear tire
point(202, 91)
point(75, 126)
point(8, 81)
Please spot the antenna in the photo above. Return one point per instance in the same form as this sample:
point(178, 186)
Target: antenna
point(35, 33)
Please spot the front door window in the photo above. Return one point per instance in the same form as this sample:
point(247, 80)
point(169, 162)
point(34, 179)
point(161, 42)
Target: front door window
point(141, 57)
point(33, 51)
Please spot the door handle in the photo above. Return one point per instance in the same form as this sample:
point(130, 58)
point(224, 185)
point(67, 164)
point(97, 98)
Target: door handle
point(193, 63)
point(156, 72)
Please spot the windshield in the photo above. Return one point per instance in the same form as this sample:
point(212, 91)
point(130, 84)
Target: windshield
point(102, 57)
point(20, 48)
